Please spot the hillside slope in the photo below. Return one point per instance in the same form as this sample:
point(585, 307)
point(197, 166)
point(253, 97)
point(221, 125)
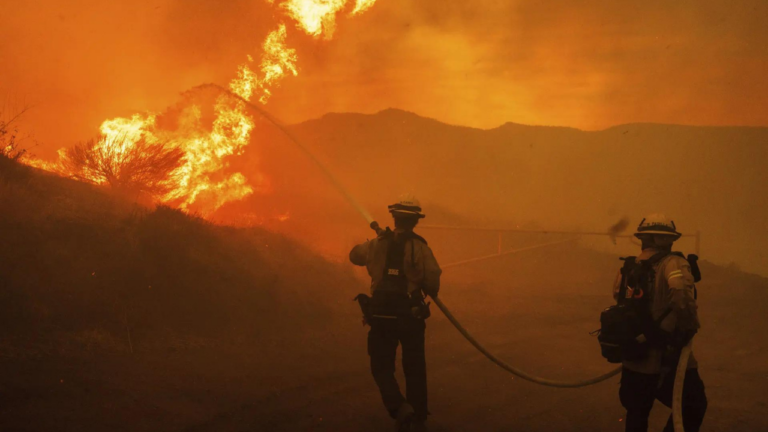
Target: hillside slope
point(82, 265)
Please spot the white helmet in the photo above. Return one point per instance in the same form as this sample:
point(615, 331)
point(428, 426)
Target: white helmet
point(407, 205)
point(657, 223)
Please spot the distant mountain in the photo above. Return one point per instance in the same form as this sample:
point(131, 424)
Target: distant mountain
point(706, 178)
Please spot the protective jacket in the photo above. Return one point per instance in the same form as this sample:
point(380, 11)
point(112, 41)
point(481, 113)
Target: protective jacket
point(421, 268)
point(674, 288)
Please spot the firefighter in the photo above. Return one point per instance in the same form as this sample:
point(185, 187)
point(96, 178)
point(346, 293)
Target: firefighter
point(403, 270)
point(672, 303)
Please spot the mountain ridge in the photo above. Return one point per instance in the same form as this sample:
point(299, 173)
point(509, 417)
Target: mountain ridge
point(392, 112)
point(709, 178)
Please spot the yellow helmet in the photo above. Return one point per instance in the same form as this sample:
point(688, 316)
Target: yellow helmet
point(407, 205)
point(657, 223)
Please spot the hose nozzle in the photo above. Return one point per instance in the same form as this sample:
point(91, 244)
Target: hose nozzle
point(375, 226)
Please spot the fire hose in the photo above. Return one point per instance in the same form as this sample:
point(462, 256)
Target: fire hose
point(677, 390)
point(682, 365)
point(513, 370)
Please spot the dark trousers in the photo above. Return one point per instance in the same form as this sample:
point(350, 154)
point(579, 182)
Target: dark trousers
point(383, 338)
point(638, 392)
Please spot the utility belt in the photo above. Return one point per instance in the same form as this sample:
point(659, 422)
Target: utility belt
point(385, 304)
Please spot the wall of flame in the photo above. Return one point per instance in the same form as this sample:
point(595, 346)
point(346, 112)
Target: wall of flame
point(198, 183)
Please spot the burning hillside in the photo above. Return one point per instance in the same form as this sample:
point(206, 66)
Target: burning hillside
point(187, 164)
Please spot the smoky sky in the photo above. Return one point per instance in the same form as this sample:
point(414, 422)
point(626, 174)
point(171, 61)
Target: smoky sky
point(586, 64)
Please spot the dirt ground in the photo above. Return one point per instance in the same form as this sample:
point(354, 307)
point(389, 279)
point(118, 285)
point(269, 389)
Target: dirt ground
point(319, 379)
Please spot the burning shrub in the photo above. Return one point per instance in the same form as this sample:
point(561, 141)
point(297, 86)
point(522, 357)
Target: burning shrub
point(9, 148)
point(127, 167)
point(9, 145)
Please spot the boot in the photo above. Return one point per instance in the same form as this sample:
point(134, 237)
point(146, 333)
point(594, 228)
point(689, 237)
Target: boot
point(404, 417)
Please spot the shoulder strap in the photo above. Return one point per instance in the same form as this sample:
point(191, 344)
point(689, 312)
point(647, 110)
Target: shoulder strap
point(693, 261)
point(410, 235)
point(667, 311)
point(395, 259)
point(626, 270)
point(413, 235)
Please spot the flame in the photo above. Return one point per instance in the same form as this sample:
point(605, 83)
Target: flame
point(315, 17)
point(36, 162)
point(205, 155)
point(362, 6)
point(199, 183)
point(245, 83)
point(277, 61)
point(318, 17)
point(125, 132)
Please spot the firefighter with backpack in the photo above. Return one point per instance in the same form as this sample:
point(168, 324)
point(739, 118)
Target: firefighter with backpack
point(403, 270)
point(655, 316)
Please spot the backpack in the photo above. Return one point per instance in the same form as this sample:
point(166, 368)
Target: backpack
point(391, 298)
point(627, 329)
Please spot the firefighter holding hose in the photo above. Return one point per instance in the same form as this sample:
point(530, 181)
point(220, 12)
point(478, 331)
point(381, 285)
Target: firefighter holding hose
point(658, 288)
point(403, 270)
